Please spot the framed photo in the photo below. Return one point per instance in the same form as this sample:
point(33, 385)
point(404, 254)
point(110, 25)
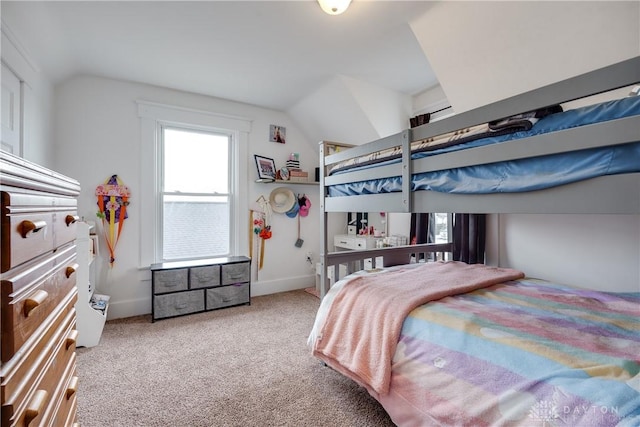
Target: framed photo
point(277, 134)
point(266, 167)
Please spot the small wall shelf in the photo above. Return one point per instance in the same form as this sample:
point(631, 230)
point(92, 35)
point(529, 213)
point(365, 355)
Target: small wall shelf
point(280, 181)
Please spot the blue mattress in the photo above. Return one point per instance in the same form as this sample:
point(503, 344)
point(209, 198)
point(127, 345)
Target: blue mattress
point(524, 174)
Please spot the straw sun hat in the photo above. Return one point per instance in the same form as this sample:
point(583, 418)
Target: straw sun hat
point(282, 199)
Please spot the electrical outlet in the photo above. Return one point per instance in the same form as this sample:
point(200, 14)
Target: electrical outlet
point(309, 257)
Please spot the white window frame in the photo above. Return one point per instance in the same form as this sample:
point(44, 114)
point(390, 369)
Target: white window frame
point(153, 116)
point(162, 126)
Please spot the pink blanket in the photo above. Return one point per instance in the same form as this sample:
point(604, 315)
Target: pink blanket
point(363, 324)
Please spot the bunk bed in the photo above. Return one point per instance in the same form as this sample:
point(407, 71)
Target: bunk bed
point(448, 343)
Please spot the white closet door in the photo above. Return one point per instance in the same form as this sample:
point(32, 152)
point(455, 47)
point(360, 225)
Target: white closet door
point(10, 112)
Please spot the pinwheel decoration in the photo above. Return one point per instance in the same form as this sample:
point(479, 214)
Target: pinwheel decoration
point(113, 199)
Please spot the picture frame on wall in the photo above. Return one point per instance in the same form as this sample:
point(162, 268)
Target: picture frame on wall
point(277, 134)
point(266, 168)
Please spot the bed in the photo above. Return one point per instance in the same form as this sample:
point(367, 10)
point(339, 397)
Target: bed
point(546, 378)
point(522, 352)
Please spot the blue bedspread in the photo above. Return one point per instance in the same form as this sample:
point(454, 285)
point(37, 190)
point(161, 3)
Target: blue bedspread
point(525, 174)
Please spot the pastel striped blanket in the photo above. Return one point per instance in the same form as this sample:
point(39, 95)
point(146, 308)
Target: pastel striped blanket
point(523, 353)
point(362, 326)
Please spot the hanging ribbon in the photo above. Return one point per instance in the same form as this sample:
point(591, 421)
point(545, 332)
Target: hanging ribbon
point(113, 199)
point(261, 219)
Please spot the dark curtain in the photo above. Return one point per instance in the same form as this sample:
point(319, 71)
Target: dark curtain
point(423, 229)
point(469, 234)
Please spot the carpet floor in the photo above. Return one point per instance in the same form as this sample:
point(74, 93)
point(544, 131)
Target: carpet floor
point(240, 366)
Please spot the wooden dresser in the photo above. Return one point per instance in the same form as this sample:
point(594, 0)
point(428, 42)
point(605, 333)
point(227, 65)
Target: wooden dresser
point(38, 293)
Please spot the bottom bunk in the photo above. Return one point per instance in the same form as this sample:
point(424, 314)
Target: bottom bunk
point(447, 343)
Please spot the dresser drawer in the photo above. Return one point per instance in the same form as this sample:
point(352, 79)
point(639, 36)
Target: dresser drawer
point(354, 242)
point(30, 294)
point(40, 407)
point(178, 303)
point(27, 236)
point(170, 280)
point(65, 227)
point(59, 411)
point(31, 385)
point(204, 277)
point(33, 224)
point(227, 295)
point(235, 273)
point(346, 242)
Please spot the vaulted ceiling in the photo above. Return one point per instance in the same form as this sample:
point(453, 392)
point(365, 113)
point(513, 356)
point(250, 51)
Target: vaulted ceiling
point(267, 53)
point(345, 77)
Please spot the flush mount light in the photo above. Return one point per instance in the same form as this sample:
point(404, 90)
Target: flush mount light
point(334, 7)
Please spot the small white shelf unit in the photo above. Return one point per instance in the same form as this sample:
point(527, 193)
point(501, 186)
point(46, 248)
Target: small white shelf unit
point(91, 308)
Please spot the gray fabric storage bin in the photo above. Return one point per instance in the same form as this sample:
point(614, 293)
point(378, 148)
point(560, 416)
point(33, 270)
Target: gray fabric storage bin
point(178, 303)
point(204, 277)
point(170, 281)
point(227, 295)
point(235, 273)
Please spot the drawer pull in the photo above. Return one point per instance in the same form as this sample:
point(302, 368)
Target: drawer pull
point(70, 219)
point(73, 387)
point(27, 227)
point(71, 339)
point(35, 300)
point(35, 407)
point(70, 270)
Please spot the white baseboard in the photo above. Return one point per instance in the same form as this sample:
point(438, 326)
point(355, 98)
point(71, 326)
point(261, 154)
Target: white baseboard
point(279, 285)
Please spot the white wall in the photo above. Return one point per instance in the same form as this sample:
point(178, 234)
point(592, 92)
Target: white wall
point(98, 134)
point(352, 111)
point(37, 100)
point(331, 113)
point(387, 110)
point(591, 251)
point(485, 51)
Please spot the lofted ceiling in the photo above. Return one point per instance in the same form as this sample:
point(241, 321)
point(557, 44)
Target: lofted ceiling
point(266, 53)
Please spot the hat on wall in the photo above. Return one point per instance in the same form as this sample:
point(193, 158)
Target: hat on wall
point(293, 212)
point(304, 204)
point(282, 199)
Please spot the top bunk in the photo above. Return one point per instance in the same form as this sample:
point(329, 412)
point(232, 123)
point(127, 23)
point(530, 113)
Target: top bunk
point(523, 154)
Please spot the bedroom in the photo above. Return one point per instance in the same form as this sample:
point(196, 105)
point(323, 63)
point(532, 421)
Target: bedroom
point(106, 130)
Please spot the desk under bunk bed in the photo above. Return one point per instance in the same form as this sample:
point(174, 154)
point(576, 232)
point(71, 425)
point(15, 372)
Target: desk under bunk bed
point(476, 344)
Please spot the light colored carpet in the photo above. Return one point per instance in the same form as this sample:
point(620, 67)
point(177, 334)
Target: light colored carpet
point(241, 366)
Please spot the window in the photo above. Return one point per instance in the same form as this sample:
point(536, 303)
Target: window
point(443, 225)
point(205, 181)
point(196, 195)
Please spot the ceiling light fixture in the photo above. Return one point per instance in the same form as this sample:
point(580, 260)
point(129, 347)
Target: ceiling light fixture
point(334, 7)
